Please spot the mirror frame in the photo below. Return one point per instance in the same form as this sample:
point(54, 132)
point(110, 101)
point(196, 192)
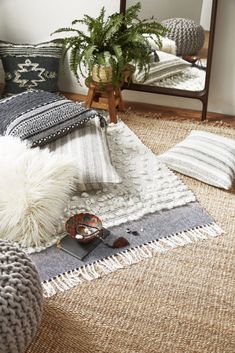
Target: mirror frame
point(201, 95)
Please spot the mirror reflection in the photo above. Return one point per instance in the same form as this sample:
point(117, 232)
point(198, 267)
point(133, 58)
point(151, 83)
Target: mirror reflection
point(182, 60)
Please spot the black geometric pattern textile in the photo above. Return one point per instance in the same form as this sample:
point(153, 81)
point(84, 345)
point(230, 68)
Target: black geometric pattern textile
point(40, 116)
point(29, 66)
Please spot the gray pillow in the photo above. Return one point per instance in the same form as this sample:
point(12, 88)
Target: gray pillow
point(29, 66)
point(204, 156)
point(167, 66)
point(41, 116)
point(88, 146)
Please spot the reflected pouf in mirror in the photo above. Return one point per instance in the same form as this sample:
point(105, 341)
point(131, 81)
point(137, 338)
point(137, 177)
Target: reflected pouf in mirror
point(188, 35)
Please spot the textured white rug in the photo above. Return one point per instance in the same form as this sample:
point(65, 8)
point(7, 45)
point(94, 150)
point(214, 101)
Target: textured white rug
point(147, 186)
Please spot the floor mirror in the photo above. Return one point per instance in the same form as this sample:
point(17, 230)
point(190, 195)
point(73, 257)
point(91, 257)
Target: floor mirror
point(188, 46)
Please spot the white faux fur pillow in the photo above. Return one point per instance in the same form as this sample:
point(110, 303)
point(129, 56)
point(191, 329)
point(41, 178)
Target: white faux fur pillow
point(168, 45)
point(34, 187)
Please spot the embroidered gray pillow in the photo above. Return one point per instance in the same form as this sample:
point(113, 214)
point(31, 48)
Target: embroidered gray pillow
point(204, 156)
point(29, 66)
point(41, 116)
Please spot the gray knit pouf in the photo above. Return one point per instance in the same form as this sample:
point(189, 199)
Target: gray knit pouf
point(188, 35)
point(20, 299)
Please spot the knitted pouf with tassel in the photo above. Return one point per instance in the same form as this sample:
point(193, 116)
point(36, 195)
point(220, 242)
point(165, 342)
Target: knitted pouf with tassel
point(188, 35)
point(20, 299)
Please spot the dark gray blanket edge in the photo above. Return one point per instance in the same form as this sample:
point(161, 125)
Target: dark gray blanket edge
point(53, 262)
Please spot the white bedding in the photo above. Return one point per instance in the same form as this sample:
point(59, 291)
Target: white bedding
point(172, 71)
point(190, 79)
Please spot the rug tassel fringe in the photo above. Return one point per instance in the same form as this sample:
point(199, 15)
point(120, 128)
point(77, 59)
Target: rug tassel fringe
point(128, 257)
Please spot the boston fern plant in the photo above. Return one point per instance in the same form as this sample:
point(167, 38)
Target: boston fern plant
point(112, 42)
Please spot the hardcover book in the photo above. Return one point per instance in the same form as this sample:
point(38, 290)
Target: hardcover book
point(73, 247)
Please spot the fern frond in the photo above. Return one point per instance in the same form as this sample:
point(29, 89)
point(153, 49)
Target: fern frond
point(88, 53)
point(64, 29)
point(115, 40)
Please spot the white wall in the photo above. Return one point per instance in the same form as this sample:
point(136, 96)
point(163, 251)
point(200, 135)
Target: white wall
point(205, 19)
point(163, 9)
point(222, 84)
point(33, 21)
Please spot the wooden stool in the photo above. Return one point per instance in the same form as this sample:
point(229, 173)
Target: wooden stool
point(104, 96)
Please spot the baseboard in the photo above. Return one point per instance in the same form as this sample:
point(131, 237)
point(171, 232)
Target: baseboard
point(165, 111)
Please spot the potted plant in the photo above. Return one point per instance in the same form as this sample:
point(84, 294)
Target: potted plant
point(104, 51)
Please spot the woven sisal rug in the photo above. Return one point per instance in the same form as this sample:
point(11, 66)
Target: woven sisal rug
point(180, 301)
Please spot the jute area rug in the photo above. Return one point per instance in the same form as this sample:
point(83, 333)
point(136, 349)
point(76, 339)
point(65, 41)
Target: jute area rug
point(181, 301)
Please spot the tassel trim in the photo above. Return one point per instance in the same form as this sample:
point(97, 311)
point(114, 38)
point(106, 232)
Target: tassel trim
point(100, 268)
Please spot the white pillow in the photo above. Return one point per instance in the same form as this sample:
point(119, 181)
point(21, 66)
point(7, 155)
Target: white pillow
point(204, 156)
point(35, 186)
point(167, 66)
point(168, 45)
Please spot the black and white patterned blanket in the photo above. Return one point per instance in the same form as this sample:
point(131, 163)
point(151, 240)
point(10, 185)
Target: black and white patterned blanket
point(41, 116)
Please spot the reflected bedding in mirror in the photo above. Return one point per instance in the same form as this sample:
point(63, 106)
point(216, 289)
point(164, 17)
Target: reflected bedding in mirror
point(172, 71)
point(188, 30)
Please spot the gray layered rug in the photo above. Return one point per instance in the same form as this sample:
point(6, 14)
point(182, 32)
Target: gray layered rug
point(157, 232)
point(151, 200)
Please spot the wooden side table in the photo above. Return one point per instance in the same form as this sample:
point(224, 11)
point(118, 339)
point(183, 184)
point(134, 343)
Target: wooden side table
point(105, 96)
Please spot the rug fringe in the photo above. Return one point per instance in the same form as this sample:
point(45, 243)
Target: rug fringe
point(126, 258)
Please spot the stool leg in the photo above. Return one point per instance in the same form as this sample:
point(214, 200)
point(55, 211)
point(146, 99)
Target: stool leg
point(90, 96)
point(111, 104)
point(121, 105)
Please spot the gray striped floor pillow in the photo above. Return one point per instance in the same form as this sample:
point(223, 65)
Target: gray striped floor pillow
point(204, 156)
point(89, 147)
